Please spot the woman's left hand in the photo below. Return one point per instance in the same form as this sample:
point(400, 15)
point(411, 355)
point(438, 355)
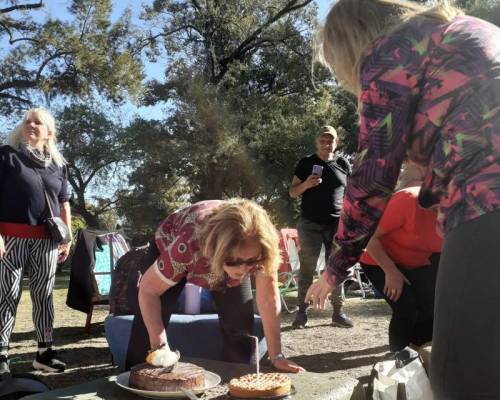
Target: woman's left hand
point(284, 364)
point(63, 252)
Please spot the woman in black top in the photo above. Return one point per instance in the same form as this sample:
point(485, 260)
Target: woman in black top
point(30, 158)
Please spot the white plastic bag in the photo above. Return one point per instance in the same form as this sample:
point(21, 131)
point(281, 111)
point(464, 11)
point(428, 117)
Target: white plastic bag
point(412, 381)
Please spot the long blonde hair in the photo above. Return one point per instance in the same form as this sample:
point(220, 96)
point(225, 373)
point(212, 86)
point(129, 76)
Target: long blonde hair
point(230, 225)
point(352, 25)
point(16, 136)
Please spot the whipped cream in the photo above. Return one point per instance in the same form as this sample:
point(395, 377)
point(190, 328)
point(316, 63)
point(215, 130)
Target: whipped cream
point(163, 358)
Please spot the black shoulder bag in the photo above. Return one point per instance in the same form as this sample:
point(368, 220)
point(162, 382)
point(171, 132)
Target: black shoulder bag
point(59, 231)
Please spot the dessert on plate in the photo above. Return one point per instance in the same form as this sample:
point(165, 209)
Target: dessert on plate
point(162, 372)
point(266, 385)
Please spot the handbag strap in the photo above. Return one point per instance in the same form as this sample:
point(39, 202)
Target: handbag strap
point(47, 200)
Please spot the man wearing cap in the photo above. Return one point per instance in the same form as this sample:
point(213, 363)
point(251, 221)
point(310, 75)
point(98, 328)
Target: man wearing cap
point(320, 180)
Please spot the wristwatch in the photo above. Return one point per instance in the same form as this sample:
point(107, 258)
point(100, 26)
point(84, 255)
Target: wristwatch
point(160, 346)
point(279, 356)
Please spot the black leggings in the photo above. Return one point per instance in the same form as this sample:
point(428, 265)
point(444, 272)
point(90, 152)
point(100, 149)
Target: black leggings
point(465, 361)
point(413, 313)
point(236, 319)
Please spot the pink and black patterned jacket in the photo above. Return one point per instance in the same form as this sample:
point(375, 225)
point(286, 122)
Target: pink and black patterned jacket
point(430, 92)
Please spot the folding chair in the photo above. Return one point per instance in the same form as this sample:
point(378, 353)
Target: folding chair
point(287, 273)
point(355, 275)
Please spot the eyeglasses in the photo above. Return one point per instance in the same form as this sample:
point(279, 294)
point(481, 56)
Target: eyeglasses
point(251, 262)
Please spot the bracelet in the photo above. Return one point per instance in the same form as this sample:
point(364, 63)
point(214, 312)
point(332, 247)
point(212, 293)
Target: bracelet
point(161, 346)
point(279, 356)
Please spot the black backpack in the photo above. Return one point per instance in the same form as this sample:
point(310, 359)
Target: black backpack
point(16, 386)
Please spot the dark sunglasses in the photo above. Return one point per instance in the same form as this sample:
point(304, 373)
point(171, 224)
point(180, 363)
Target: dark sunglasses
point(239, 262)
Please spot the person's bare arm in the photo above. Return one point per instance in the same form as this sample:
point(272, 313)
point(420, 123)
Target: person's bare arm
point(394, 279)
point(150, 289)
point(66, 217)
point(297, 187)
point(269, 305)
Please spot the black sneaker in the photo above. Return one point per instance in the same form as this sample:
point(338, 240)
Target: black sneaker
point(300, 320)
point(341, 320)
point(47, 361)
point(4, 366)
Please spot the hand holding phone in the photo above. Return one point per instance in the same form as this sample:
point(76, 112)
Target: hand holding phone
point(317, 170)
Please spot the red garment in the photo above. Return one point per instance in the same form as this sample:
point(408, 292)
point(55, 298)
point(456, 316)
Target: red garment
point(24, 231)
point(285, 235)
point(410, 235)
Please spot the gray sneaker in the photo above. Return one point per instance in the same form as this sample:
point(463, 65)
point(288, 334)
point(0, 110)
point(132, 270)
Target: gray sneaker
point(341, 320)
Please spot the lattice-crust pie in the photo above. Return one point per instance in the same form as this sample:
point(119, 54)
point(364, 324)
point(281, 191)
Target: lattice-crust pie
point(268, 385)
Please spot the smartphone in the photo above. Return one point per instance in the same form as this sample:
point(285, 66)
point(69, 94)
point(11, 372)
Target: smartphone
point(317, 170)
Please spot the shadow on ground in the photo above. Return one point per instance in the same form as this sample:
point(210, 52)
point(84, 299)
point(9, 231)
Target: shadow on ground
point(64, 335)
point(339, 361)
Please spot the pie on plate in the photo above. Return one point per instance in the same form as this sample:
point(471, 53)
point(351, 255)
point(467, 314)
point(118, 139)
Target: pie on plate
point(266, 385)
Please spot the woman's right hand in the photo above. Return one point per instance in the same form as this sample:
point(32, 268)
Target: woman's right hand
point(2, 247)
point(312, 181)
point(394, 284)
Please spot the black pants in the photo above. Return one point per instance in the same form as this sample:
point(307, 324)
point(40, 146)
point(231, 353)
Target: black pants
point(413, 313)
point(465, 361)
point(236, 319)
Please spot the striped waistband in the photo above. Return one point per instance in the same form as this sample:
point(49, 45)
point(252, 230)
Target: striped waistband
point(24, 231)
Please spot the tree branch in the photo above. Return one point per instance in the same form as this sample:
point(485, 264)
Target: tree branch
point(95, 171)
point(18, 84)
point(242, 49)
point(105, 207)
point(12, 97)
point(11, 40)
point(49, 59)
point(21, 7)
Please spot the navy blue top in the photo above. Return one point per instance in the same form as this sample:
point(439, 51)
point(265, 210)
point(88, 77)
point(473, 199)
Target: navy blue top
point(22, 199)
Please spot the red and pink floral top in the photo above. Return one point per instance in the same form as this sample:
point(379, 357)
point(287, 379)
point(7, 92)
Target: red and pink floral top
point(430, 91)
point(180, 253)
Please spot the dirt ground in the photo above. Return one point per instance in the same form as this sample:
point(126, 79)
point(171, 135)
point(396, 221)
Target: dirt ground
point(319, 348)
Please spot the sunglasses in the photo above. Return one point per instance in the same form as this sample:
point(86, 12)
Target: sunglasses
point(239, 262)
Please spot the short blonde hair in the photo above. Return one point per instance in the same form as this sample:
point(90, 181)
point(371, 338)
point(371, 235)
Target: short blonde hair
point(16, 136)
point(352, 25)
point(231, 224)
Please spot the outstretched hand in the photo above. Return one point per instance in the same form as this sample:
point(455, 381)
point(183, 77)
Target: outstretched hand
point(318, 293)
point(286, 365)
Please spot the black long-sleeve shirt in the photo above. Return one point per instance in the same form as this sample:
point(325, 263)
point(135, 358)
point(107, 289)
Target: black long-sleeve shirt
point(22, 198)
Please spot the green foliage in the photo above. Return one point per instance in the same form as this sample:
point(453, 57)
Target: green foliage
point(244, 106)
point(96, 149)
point(487, 10)
point(77, 223)
point(54, 58)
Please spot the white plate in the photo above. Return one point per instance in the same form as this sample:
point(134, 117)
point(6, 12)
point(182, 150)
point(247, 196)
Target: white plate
point(211, 380)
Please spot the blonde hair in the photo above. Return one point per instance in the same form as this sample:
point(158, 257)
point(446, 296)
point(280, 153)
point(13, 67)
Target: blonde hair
point(230, 225)
point(16, 136)
point(352, 25)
